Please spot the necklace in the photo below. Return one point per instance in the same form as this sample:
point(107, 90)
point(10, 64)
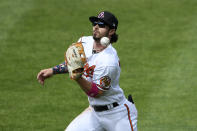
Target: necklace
point(95, 51)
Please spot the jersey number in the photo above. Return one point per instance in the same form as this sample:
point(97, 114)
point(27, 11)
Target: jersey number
point(88, 71)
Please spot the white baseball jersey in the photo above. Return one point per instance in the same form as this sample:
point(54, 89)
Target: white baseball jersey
point(103, 69)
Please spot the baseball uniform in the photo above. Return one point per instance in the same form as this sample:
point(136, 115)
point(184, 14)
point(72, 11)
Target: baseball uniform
point(111, 111)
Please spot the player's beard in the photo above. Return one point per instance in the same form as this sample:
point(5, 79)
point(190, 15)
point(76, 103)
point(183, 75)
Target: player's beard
point(96, 38)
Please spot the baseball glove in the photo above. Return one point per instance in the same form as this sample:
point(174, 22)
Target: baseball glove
point(75, 59)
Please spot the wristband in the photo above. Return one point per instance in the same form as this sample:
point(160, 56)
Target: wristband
point(93, 92)
point(60, 69)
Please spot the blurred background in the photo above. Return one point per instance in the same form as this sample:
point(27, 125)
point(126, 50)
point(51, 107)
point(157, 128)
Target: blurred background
point(157, 49)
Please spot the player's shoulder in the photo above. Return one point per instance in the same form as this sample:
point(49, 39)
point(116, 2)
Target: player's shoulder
point(110, 50)
point(86, 39)
point(110, 56)
point(87, 42)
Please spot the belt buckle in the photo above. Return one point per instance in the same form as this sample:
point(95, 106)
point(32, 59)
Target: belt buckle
point(110, 106)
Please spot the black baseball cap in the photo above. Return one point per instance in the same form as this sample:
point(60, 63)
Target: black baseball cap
point(106, 17)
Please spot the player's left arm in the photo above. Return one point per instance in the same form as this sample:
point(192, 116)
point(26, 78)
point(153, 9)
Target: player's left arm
point(90, 88)
point(102, 80)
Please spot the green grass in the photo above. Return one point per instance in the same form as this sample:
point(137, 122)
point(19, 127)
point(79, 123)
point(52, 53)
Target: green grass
point(157, 49)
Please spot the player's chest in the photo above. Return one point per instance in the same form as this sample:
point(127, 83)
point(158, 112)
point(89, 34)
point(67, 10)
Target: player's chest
point(91, 65)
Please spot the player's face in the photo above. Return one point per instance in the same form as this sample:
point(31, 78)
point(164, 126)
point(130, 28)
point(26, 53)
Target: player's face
point(100, 29)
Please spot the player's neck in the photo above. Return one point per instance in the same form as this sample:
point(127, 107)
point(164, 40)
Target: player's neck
point(98, 47)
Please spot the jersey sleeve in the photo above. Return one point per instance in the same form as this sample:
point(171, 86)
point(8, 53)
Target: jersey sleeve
point(104, 77)
point(80, 39)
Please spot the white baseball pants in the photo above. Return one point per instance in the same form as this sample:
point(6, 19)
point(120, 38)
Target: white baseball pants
point(120, 118)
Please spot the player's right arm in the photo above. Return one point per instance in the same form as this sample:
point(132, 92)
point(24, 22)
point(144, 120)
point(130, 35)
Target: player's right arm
point(46, 73)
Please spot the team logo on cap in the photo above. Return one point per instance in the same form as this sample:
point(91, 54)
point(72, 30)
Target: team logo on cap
point(101, 15)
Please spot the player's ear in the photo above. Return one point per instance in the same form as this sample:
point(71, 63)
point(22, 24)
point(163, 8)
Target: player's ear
point(111, 32)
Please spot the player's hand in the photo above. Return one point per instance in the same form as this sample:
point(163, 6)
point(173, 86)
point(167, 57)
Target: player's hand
point(43, 74)
point(75, 58)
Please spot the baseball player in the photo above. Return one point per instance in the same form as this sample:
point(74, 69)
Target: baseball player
point(98, 77)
